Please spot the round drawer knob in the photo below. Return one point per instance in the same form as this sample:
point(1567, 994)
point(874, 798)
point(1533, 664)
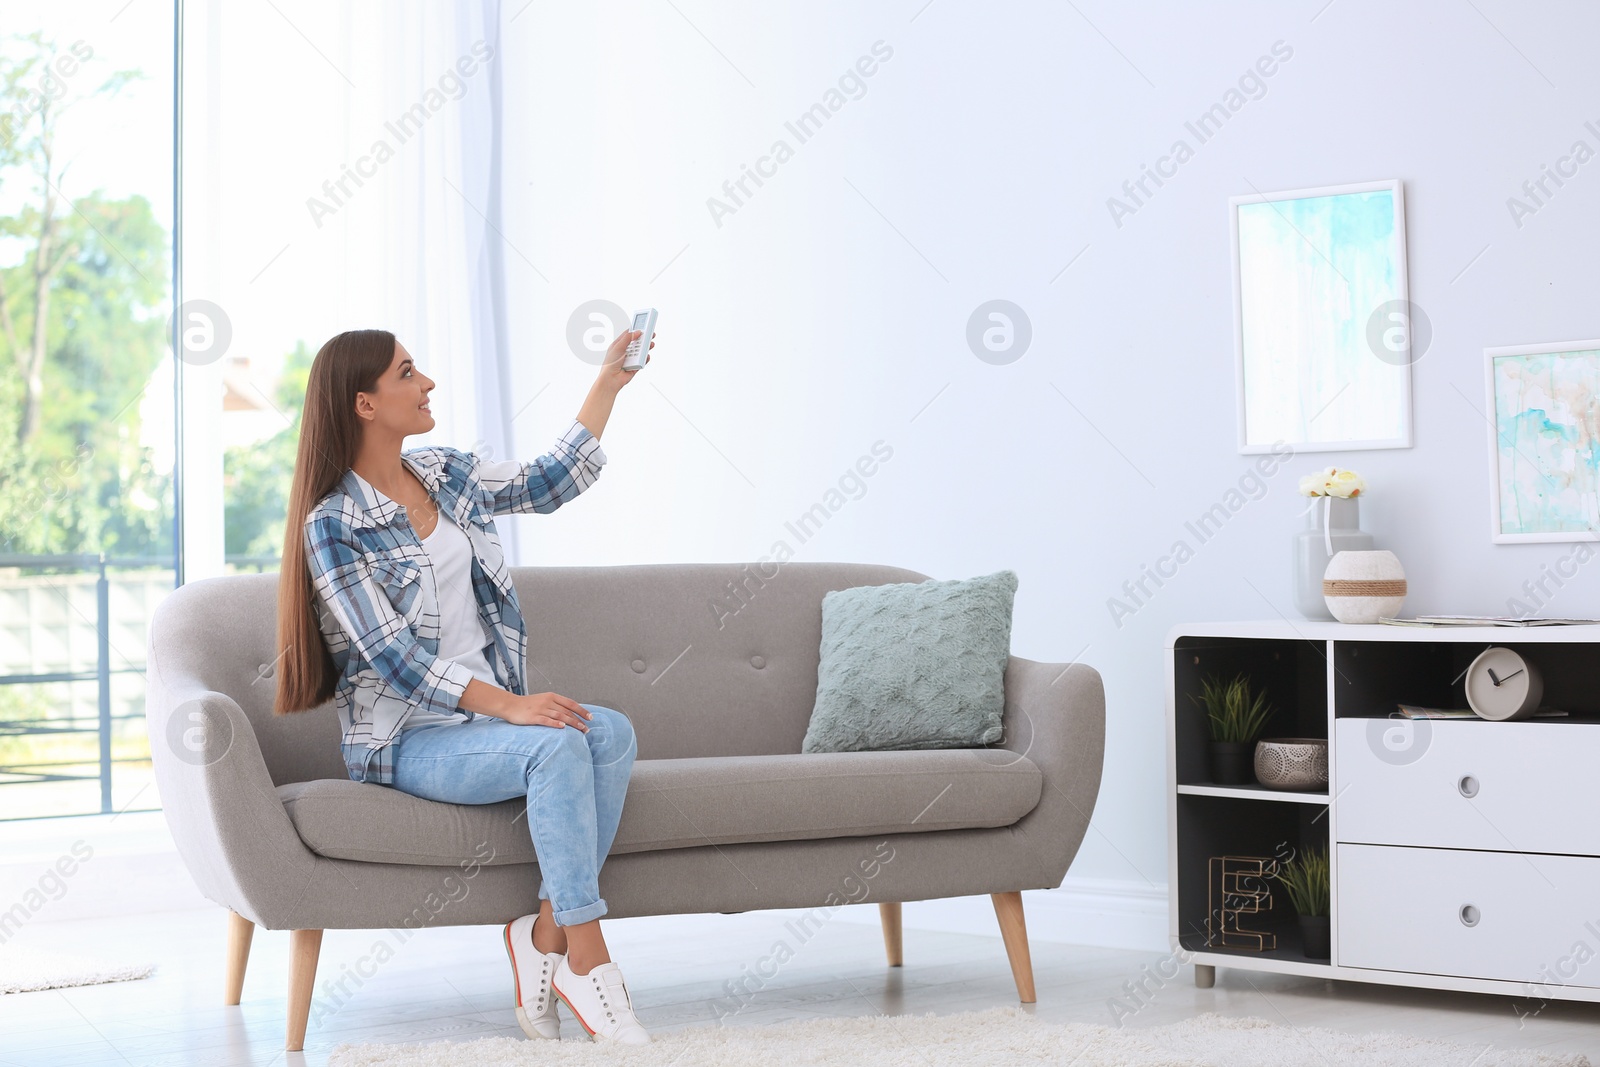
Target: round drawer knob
point(1469, 915)
point(638, 666)
point(1468, 786)
point(758, 662)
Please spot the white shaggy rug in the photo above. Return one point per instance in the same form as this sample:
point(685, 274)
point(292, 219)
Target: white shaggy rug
point(24, 970)
point(996, 1037)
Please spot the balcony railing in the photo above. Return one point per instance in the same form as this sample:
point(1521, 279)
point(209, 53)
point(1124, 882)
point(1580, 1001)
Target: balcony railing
point(27, 771)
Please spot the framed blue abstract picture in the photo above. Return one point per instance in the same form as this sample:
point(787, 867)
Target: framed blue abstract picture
point(1323, 329)
point(1544, 444)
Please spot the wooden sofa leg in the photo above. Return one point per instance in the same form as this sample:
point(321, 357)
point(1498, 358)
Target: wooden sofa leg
point(304, 946)
point(240, 930)
point(890, 914)
point(1008, 909)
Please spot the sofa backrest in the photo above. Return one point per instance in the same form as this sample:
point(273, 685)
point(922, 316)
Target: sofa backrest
point(706, 659)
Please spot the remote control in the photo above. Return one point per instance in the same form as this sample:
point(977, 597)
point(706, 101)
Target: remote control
point(639, 348)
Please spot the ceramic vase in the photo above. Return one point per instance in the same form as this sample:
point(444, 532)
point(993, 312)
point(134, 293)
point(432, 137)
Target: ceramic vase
point(1333, 526)
point(1362, 587)
point(1292, 763)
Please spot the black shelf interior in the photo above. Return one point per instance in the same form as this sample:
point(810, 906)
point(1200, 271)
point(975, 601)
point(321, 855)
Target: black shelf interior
point(1218, 826)
point(1289, 946)
point(1371, 677)
point(1293, 673)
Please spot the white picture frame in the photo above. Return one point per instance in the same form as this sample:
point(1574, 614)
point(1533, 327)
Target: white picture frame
point(1527, 505)
point(1299, 354)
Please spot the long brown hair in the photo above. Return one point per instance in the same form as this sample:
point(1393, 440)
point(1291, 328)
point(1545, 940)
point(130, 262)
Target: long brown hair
point(330, 434)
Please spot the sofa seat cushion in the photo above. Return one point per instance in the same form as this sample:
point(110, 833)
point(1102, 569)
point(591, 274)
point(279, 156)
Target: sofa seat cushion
point(685, 803)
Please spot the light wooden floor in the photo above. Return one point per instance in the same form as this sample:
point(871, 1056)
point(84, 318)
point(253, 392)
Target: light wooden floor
point(455, 984)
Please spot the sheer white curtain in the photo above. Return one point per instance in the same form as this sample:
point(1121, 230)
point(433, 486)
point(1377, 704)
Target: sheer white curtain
point(341, 170)
point(434, 234)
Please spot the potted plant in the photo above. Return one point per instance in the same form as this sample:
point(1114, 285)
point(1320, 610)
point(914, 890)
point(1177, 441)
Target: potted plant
point(1237, 716)
point(1305, 879)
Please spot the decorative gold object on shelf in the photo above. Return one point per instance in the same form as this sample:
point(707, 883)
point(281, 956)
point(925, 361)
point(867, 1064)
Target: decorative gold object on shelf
point(1238, 886)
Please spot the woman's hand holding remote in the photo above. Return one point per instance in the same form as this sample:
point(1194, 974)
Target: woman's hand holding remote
point(611, 370)
point(596, 408)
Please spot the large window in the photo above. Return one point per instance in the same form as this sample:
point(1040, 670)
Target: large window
point(87, 420)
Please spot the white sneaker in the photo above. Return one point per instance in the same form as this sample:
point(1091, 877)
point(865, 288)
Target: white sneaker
point(601, 1003)
point(532, 971)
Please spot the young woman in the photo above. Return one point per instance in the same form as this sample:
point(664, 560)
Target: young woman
point(395, 603)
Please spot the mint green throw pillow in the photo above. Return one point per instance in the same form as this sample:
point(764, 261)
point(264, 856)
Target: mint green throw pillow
point(913, 665)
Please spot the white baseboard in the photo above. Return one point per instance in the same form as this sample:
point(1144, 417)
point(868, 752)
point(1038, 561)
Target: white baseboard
point(1103, 912)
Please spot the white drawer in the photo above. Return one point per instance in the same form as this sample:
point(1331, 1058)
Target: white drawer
point(1502, 786)
point(1536, 918)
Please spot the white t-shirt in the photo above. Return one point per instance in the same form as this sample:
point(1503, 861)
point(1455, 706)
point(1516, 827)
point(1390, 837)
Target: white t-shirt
point(461, 634)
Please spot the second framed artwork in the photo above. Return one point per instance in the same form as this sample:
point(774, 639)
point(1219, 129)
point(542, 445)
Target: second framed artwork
point(1544, 442)
point(1322, 323)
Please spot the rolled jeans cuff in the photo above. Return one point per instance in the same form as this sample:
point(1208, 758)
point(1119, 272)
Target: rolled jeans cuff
point(574, 916)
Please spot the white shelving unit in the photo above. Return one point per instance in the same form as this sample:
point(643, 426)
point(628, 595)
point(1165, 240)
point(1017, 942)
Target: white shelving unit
point(1465, 853)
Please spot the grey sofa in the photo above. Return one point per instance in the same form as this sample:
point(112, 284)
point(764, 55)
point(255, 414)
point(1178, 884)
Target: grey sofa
point(716, 666)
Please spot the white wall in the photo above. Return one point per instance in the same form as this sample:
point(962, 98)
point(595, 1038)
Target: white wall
point(829, 311)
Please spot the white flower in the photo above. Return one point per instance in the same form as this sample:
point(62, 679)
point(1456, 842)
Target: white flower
point(1346, 484)
point(1332, 482)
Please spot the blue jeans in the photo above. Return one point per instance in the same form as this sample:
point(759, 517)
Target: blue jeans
point(575, 783)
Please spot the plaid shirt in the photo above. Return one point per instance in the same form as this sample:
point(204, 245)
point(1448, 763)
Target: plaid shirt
point(377, 606)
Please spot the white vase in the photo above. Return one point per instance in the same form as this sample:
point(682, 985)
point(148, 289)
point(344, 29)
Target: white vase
point(1333, 525)
point(1362, 587)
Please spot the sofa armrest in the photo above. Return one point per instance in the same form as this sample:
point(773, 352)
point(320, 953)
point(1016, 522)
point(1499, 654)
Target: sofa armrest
point(1055, 715)
point(226, 818)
